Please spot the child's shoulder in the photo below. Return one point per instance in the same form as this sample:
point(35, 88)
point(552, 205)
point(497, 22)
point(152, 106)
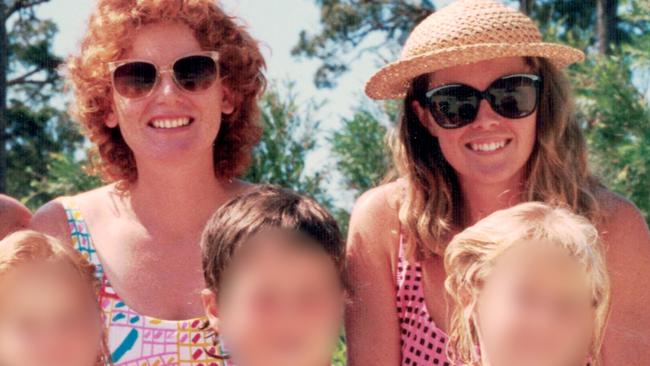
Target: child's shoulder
point(13, 215)
point(10, 205)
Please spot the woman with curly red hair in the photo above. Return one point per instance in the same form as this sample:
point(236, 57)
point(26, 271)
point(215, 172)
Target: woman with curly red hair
point(167, 92)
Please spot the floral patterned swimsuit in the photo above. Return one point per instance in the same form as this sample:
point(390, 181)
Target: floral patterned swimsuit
point(135, 339)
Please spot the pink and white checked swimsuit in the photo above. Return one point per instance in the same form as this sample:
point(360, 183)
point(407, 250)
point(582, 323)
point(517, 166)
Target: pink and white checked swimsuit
point(422, 342)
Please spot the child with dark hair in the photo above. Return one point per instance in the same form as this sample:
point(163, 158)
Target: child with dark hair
point(273, 262)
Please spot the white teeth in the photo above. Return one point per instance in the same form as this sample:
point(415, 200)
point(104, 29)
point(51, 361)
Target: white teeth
point(489, 147)
point(170, 123)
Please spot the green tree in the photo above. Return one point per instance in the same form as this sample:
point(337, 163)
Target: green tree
point(616, 117)
point(288, 138)
point(66, 175)
point(32, 128)
point(348, 24)
point(360, 152)
point(361, 156)
point(614, 108)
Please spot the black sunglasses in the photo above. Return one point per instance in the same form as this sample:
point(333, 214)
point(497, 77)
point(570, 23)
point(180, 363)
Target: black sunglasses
point(193, 73)
point(456, 105)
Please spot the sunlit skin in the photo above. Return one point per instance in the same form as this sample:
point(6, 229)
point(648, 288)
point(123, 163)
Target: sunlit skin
point(13, 215)
point(51, 317)
point(158, 223)
point(489, 182)
point(535, 309)
point(281, 303)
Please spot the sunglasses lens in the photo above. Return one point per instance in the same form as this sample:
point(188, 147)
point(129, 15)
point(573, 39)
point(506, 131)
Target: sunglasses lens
point(514, 97)
point(135, 79)
point(195, 73)
point(454, 106)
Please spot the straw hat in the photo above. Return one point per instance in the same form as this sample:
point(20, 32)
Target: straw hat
point(465, 32)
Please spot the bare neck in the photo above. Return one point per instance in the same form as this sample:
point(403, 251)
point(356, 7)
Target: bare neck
point(483, 199)
point(175, 199)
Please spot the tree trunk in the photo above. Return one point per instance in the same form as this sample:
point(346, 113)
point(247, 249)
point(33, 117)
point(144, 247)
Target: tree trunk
point(3, 95)
point(607, 22)
point(526, 6)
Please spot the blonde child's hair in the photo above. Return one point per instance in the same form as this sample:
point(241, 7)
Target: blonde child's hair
point(26, 246)
point(472, 253)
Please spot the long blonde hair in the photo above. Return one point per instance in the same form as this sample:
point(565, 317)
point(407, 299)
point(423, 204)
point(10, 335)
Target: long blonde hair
point(471, 255)
point(556, 172)
point(27, 246)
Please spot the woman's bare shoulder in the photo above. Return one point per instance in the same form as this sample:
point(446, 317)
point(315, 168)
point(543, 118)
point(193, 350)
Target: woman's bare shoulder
point(374, 223)
point(619, 212)
point(51, 218)
point(382, 200)
point(625, 233)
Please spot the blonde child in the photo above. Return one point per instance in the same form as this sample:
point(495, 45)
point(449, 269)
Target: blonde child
point(48, 309)
point(273, 265)
point(529, 287)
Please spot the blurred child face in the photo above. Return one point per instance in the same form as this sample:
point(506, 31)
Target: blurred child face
point(47, 317)
point(281, 303)
point(535, 309)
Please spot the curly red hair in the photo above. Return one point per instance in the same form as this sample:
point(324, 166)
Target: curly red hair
point(110, 29)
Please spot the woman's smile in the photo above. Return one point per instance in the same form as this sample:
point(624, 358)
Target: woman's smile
point(170, 122)
point(488, 146)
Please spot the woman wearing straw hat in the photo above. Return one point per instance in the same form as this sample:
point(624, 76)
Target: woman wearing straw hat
point(459, 158)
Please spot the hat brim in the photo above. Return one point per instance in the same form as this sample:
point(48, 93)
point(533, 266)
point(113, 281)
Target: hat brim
point(392, 81)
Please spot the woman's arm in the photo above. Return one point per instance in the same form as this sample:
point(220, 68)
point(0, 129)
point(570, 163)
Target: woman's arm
point(372, 326)
point(627, 241)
